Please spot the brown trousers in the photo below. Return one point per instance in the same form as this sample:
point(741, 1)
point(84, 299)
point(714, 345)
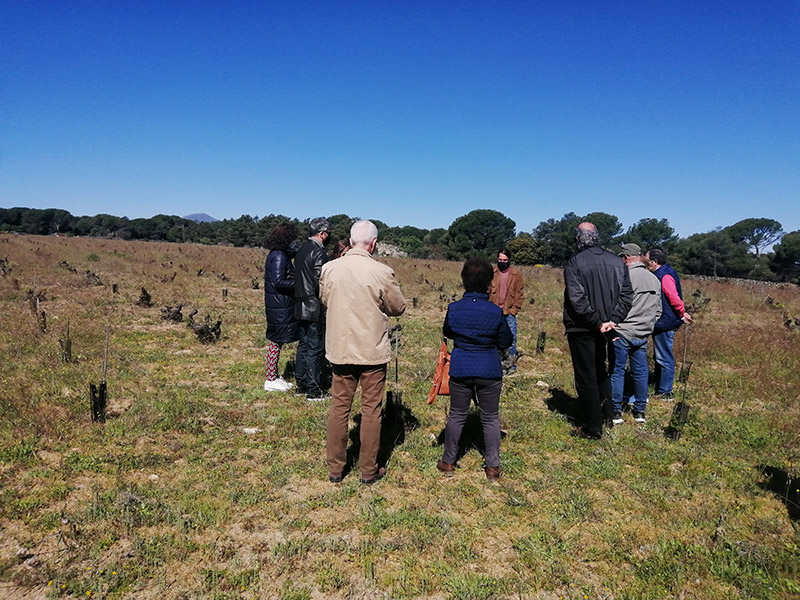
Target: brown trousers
point(345, 381)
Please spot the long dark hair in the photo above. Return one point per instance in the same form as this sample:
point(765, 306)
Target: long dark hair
point(338, 250)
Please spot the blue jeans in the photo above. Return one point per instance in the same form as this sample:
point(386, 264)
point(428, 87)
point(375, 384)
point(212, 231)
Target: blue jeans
point(665, 362)
point(310, 354)
point(512, 325)
point(636, 352)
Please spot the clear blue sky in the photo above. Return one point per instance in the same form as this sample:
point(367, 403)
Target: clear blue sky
point(414, 113)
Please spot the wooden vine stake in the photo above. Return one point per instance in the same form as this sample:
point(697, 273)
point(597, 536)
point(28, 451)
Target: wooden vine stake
point(680, 414)
point(98, 397)
point(66, 346)
point(541, 341)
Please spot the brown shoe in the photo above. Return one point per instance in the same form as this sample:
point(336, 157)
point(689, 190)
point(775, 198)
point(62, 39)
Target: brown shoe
point(492, 473)
point(378, 476)
point(446, 469)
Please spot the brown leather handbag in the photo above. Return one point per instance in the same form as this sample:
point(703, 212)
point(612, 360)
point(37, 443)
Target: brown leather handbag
point(441, 376)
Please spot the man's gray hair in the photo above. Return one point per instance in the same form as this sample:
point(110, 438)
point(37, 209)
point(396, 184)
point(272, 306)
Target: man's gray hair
point(319, 225)
point(587, 237)
point(363, 232)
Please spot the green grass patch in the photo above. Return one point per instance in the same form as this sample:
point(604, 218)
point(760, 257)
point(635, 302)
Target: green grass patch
point(201, 485)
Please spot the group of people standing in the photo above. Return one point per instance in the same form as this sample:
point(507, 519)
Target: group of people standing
point(293, 307)
point(336, 306)
point(612, 305)
point(611, 308)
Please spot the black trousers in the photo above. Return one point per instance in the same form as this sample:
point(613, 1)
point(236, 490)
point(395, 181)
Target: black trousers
point(590, 353)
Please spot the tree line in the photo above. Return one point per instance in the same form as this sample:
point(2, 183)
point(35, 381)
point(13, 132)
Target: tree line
point(755, 248)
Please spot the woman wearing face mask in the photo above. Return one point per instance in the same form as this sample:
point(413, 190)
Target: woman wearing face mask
point(282, 327)
point(508, 292)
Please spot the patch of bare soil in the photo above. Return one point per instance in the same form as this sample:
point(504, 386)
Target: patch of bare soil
point(19, 548)
point(117, 406)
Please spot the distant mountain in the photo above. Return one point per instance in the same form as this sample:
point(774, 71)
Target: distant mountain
point(201, 218)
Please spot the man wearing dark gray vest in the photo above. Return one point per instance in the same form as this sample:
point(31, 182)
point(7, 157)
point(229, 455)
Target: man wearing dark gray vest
point(673, 315)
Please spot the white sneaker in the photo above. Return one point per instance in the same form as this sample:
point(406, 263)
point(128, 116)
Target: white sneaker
point(277, 385)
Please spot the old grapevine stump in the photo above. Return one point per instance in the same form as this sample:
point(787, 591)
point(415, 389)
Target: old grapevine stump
point(205, 332)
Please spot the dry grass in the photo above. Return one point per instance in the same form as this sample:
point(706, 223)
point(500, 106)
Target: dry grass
point(172, 499)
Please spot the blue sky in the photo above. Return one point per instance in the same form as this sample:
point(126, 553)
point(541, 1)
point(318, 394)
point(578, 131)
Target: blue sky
point(414, 113)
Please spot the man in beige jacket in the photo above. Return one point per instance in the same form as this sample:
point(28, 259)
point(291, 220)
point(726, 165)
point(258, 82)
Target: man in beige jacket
point(360, 294)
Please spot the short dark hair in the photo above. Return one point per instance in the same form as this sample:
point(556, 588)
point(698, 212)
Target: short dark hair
point(658, 255)
point(281, 236)
point(476, 275)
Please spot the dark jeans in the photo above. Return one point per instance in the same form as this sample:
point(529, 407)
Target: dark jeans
point(310, 354)
point(487, 396)
point(590, 353)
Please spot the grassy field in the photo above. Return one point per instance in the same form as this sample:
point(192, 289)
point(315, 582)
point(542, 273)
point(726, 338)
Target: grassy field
point(202, 485)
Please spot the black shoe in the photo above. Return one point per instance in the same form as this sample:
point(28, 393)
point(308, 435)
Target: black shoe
point(639, 417)
point(335, 477)
point(378, 476)
point(587, 435)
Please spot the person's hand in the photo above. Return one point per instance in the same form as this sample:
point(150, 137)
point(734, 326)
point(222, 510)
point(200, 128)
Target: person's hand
point(687, 318)
point(607, 326)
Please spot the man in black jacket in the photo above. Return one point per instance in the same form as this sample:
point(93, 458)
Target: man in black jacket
point(308, 310)
point(597, 296)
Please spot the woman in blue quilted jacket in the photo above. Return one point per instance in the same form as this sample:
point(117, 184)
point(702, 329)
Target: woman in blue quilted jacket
point(282, 327)
point(479, 332)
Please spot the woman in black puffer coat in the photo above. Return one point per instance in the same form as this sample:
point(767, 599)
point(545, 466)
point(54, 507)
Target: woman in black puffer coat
point(282, 327)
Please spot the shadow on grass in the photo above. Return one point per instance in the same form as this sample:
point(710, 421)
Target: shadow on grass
point(786, 488)
point(566, 405)
point(288, 370)
point(397, 420)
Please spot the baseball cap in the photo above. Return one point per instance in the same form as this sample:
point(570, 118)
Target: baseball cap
point(630, 250)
